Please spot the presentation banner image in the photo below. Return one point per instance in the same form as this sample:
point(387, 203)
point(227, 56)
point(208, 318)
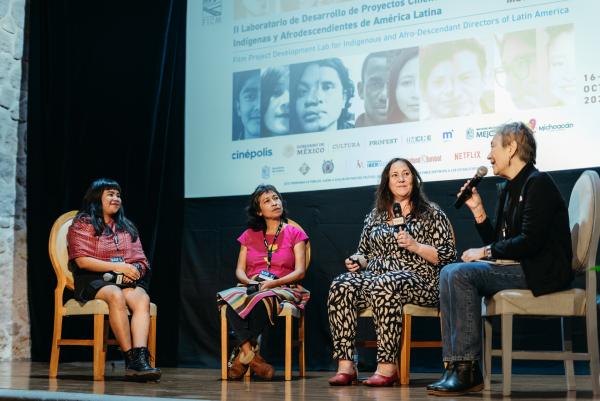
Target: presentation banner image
point(311, 95)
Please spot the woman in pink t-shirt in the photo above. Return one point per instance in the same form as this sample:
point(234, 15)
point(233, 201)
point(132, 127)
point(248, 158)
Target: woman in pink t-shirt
point(270, 263)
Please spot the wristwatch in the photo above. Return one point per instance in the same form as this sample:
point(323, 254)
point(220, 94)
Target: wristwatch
point(488, 251)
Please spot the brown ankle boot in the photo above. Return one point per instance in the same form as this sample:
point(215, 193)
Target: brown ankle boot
point(261, 368)
point(237, 370)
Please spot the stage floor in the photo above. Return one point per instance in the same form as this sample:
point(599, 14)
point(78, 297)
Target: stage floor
point(25, 380)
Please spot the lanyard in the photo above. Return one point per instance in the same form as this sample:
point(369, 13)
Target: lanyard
point(268, 247)
point(115, 236)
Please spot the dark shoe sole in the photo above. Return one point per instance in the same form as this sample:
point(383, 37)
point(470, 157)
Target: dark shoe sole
point(143, 377)
point(442, 393)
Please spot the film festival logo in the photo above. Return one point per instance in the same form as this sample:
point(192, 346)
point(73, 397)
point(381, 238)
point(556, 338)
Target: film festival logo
point(212, 10)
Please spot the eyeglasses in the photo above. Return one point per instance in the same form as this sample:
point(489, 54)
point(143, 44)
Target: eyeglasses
point(519, 69)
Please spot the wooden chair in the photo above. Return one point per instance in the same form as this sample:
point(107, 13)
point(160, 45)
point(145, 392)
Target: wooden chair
point(57, 248)
point(406, 343)
point(288, 312)
point(584, 219)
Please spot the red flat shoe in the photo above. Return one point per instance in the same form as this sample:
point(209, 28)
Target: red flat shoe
point(378, 380)
point(344, 379)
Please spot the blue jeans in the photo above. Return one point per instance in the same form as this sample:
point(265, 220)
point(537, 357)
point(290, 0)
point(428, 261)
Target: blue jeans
point(461, 287)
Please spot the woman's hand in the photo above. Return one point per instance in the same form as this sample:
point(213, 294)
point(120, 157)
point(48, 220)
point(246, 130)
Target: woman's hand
point(267, 284)
point(474, 202)
point(128, 270)
point(473, 254)
point(406, 241)
point(351, 265)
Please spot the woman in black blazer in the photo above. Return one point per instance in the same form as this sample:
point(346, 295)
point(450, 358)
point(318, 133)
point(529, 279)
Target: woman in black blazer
point(531, 229)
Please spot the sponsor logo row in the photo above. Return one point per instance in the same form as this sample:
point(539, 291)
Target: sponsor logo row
point(318, 148)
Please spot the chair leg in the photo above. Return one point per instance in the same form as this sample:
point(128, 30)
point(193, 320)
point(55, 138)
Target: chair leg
point(567, 346)
point(56, 336)
point(99, 347)
point(223, 343)
point(507, 328)
point(487, 353)
point(288, 347)
point(152, 341)
point(405, 349)
point(301, 366)
point(591, 328)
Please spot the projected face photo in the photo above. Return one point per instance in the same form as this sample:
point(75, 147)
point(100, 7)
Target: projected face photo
point(373, 90)
point(519, 73)
point(252, 8)
point(247, 105)
point(293, 5)
point(275, 95)
point(561, 64)
point(320, 98)
point(407, 90)
point(454, 86)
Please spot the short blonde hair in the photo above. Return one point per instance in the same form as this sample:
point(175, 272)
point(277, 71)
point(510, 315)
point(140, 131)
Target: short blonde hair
point(523, 136)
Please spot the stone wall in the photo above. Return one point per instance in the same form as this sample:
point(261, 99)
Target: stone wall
point(14, 313)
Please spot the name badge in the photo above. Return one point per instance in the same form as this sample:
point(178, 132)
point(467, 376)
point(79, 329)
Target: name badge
point(399, 221)
point(267, 276)
point(117, 259)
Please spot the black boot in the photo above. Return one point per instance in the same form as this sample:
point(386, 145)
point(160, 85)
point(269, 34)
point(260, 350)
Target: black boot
point(447, 371)
point(465, 378)
point(137, 367)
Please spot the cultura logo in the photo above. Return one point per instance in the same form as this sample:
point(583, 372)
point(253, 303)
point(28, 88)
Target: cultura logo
point(252, 154)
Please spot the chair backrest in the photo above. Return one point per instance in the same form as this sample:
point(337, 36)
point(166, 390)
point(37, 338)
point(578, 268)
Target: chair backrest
point(584, 220)
point(57, 248)
point(295, 224)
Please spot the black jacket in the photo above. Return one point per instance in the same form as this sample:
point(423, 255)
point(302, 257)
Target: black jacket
point(535, 221)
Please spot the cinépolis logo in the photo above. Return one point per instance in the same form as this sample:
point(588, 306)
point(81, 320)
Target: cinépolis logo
point(252, 154)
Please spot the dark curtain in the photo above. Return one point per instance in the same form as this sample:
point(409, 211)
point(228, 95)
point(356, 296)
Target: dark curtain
point(106, 100)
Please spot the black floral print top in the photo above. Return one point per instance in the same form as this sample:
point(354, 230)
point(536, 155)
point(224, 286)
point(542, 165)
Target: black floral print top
point(380, 247)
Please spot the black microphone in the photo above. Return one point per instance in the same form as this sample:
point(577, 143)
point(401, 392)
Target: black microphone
point(468, 192)
point(116, 278)
point(399, 222)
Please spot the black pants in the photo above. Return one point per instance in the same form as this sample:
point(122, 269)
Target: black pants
point(251, 327)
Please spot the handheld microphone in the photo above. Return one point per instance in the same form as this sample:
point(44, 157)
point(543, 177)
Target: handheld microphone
point(468, 191)
point(399, 222)
point(116, 278)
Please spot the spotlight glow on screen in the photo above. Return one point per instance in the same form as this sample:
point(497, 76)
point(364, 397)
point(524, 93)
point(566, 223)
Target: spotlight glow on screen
point(320, 94)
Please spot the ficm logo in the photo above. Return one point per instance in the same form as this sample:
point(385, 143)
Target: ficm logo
point(470, 133)
point(252, 154)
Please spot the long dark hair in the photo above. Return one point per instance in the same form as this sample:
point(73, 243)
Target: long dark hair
point(384, 197)
point(256, 222)
point(91, 208)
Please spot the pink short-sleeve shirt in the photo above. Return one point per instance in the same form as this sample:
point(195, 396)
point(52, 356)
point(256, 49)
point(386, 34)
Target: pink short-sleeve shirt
point(282, 260)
